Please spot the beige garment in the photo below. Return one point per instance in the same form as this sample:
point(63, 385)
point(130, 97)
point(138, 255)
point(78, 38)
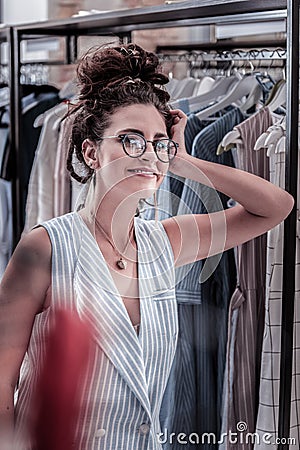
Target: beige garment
point(40, 198)
point(62, 182)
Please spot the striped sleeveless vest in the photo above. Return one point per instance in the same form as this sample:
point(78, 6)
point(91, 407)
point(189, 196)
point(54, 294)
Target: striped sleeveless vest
point(122, 394)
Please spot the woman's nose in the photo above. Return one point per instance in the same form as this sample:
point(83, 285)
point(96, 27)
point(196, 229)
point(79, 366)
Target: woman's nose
point(149, 154)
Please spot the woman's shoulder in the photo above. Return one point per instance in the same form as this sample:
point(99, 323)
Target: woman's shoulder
point(60, 220)
point(149, 227)
point(33, 250)
point(42, 236)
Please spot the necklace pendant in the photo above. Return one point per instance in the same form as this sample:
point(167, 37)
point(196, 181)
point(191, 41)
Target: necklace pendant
point(121, 264)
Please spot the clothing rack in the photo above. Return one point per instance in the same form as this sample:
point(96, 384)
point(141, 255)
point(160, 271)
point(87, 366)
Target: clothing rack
point(222, 45)
point(227, 60)
point(224, 55)
point(289, 250)
point(122, 23)
point(4, 39)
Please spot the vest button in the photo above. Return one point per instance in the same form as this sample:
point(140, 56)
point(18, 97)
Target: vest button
point(100, 433)
point(144, 428)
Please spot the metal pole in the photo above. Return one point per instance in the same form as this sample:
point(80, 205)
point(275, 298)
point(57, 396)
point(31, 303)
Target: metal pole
point(289, 252)
point(15, 111)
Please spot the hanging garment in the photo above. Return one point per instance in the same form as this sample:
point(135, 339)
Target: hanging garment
point(62, 183)
point(199, 199)
point(196, 381)
point(5, 224)
point(4, 130)
point(32, 106)
point(40, 198)
point(5, 200)
point(268, 410)
point(121, 396)
point(192, 129)
point(169, 192)
point(243, 364)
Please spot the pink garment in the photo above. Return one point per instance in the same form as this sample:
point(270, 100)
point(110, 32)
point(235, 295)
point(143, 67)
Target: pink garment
point(248, 299)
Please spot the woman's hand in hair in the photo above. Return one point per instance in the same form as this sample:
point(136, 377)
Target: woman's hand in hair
point(177, 135)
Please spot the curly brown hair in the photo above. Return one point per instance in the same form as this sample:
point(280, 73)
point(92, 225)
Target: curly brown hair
point(109, 78)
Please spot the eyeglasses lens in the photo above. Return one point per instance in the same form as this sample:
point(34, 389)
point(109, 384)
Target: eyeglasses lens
point(135, 146)
point(165, 149)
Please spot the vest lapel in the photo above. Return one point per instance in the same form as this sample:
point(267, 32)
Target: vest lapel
point(101, 305)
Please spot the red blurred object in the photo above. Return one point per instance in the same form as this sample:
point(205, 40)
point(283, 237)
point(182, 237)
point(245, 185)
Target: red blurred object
point(56, 404)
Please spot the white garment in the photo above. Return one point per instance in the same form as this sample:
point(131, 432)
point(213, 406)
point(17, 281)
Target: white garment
point(268, 411)
point(40, 198)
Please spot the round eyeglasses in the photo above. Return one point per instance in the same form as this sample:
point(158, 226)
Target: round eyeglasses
point(134, 145)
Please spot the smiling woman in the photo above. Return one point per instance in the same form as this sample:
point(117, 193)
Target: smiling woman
point(122, 153)
point(115, 270)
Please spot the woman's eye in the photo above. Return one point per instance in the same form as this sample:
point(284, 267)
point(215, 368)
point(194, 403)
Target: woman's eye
point(161, 146)
point(136, 144)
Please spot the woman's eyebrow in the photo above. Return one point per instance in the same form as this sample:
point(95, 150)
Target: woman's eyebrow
point(134, 130)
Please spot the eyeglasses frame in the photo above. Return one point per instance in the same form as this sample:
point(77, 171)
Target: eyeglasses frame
point(123, 136)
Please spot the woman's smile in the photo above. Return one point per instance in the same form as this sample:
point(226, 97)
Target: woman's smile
point(143, 172)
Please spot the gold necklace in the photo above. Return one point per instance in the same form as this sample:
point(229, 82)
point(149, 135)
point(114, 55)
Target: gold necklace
point(120, 263)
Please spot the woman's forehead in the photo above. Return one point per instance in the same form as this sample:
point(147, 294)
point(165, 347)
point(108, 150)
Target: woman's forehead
point(142, 117)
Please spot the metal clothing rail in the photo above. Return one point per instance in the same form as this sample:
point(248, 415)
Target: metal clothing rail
point(223, 44)
point(289, 247)
point(122, 23)
point(225, 55)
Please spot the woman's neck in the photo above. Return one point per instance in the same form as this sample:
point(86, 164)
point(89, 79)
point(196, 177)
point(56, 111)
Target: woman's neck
point(114, 215)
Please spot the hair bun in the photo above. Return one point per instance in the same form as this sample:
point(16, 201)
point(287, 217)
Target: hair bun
point(110, 66)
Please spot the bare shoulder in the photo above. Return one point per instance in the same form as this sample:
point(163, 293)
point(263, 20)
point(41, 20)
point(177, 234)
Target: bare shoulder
point(28, 274)
point(34, 248)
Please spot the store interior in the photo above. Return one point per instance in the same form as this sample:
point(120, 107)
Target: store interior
point(237, 57)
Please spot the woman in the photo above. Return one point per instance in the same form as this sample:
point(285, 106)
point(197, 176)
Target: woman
point(113, 268)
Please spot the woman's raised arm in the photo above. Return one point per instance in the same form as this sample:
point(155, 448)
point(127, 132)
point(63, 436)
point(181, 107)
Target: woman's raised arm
point(261, 206)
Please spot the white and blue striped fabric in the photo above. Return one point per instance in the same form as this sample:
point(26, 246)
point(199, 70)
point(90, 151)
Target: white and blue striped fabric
point(126, 381)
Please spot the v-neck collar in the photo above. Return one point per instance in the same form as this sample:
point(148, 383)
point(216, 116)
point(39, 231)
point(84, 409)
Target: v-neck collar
point(99, 302)
point(112, 283)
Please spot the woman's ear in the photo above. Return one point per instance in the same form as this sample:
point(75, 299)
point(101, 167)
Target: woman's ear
point(89, 152)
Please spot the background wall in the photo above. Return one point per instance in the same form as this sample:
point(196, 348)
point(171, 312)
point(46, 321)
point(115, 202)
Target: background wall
point(16, 11)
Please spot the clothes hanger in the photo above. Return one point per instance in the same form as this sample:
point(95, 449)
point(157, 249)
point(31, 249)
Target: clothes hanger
point(273, 141)
point(185, 87)
point(68, 90)
point(252, 99)
point(281, 145)
point(171, 85)
point(207, 89)
point(278, 128)
point(219, 89)
point(242, 88)
point(233, 137)
point(204, 85)
point(276, 133)
point(277, 96)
